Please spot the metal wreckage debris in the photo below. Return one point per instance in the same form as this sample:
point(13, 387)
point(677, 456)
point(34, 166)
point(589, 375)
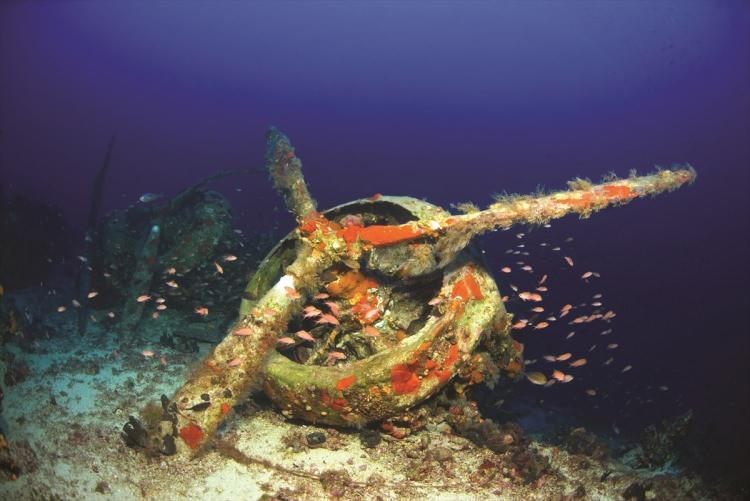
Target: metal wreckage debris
point(399, 303)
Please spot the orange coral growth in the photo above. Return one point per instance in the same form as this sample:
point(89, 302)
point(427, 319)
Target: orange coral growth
point(313, 221)
point(473, 286)
point(452, 356)
point(467, 288)
point(460, 289)
point(380, 235)
point(350, 233)
point(225, 408)
point(352, 285)
point(621, 192)
point(404, 379)
point(192, 434)
point(339, 404)
point(346, 382)
point(443, 375)
point(581, 203)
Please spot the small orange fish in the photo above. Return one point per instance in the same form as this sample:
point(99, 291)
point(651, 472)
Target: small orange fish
point(435, 301)
point(570, 335)
point(155, 315)
point(321, 295)
point(537, 309)
point(372, 315)
point(234, 362)
point(563, 357)
point(336, 355)
point(76, 303)
point(202, 311)
point(369, 330)
point(160, 300)
point(171, 271)
point(163, 361)
point(147, 353)
point(285, 340)
point(550, 358)
point(567, 379)
point(591, 392)
point(612, 346)
point(541, 325)
point(505, 269)
point(626, 368)
point(527, 268)
point(520, 324)
point(302, 334)
point(333, 307)
point(143, 298)
point(543, 279)
point(311, 312)
point(327, 318)
point(292, 292)
point(586, 275)
point(530, 296)
point(542, 288)
point(92, 294)
point(229, 258)
point(111, 314)
point(560, 376)
point(569, 260)
point(244, 331)
point(218, 267)
point(578, 363)
point(60, 309)
point(172, 284)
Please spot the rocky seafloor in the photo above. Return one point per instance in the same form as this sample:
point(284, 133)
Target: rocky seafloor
point(67, 398)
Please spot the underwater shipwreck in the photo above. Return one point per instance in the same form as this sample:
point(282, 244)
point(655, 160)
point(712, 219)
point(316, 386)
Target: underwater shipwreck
point(338, 364)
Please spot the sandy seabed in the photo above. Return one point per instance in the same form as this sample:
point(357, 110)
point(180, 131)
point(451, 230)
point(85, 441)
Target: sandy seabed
point(71, 406)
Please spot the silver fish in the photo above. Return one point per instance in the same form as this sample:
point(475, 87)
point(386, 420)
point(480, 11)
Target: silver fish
point(149, 197)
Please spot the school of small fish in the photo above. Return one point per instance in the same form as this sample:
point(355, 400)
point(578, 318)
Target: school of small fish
point(530, 318)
